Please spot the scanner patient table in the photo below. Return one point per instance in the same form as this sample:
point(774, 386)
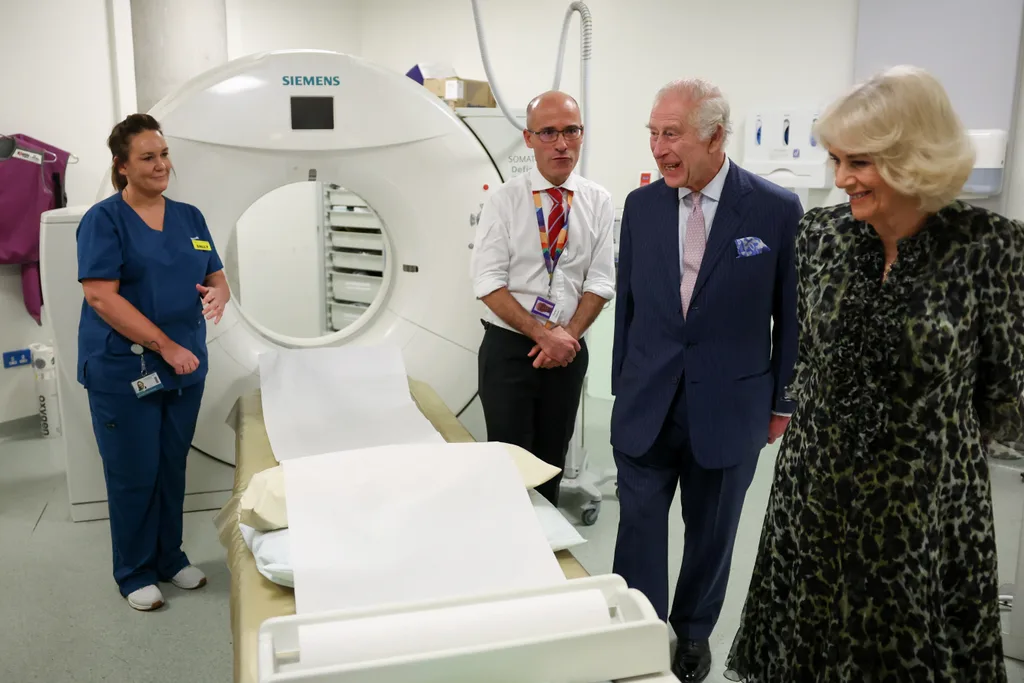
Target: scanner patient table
point(253, 597)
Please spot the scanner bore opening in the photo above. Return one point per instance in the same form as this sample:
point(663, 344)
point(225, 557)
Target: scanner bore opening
point(309, 264)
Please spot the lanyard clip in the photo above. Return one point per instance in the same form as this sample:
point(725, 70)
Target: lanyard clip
point(139, 351)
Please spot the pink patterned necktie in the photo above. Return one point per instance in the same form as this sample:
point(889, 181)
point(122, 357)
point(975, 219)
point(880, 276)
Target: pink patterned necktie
point(693, 251)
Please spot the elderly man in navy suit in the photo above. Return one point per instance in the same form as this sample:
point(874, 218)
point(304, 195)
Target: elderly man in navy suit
point(699, 372)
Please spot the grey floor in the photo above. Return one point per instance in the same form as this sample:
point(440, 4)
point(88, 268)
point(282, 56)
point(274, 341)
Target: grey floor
point(63, 619)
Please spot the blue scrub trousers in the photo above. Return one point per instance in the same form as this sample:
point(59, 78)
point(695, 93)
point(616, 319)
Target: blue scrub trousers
point(144, 443)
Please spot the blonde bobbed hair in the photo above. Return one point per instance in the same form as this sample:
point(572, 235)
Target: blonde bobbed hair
point(903, 120)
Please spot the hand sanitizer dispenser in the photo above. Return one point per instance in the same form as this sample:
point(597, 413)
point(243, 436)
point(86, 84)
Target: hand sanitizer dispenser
point(989, 163)
point(779, 146)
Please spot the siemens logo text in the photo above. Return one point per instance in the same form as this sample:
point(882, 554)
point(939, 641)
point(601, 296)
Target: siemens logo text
point(311, 80)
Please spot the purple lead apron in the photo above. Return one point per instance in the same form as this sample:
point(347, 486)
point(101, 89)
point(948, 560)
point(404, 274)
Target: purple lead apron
point(31, 182)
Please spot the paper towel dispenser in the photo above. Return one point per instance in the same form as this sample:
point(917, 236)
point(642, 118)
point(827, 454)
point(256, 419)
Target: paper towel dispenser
point(989, 163)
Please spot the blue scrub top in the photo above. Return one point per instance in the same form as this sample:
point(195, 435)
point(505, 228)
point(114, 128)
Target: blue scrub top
point(158, 272)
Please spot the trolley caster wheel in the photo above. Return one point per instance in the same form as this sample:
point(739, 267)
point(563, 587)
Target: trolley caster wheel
point(589, 514)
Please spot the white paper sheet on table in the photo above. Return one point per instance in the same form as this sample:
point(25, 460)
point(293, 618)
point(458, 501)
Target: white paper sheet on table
point(400, 524)
point(335, 399)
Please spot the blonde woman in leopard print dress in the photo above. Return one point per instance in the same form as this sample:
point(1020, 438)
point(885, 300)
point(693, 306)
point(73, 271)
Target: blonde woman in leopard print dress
point(877, 560)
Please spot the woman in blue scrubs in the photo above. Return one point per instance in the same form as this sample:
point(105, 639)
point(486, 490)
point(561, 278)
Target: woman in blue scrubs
point(152, 277)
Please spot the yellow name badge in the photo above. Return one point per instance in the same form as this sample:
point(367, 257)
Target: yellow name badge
point(201, 245)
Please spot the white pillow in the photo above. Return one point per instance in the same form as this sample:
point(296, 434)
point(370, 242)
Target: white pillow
point(272, 550)
point(560, 533)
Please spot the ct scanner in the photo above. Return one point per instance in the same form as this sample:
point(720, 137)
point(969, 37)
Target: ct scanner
point(264, 121)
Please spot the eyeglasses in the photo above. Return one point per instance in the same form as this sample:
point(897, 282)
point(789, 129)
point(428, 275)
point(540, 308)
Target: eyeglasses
point(551, 134)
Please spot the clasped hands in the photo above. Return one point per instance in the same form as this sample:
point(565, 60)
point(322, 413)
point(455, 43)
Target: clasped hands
point(555, 348)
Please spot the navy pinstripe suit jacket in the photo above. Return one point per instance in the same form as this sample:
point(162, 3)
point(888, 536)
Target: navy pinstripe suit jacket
point(735, 368)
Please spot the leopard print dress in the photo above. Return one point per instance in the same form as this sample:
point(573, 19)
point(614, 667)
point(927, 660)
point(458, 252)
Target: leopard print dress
point(877, 559)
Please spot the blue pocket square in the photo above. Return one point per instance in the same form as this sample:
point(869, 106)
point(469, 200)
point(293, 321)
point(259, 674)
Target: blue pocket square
point(750, 246)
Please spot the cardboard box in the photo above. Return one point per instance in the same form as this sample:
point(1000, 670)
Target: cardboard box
point(424, 70)
point(461, 92)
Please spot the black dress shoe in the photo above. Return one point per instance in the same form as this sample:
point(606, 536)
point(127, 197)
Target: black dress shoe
point(692, 661)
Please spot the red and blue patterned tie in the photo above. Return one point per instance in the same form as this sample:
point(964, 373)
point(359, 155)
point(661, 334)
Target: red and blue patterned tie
point(556, 218)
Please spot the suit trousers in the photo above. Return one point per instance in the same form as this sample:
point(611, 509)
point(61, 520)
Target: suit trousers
point(528, 407)
point(711, 502)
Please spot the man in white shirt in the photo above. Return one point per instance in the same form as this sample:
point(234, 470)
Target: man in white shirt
point(543, 263)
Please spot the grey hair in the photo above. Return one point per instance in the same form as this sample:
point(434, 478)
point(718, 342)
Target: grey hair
point(712, 108)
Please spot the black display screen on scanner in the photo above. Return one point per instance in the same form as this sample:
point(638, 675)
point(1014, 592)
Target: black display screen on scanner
point(312, 113)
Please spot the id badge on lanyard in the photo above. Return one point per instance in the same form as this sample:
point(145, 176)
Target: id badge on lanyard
point(145, 384)
point(544, 307)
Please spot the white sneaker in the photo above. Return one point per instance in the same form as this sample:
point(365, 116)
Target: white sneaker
point(189, 578)
point(146, 599)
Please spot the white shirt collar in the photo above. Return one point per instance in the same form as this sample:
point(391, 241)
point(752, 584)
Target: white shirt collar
point(539, 182)
point(712, 190)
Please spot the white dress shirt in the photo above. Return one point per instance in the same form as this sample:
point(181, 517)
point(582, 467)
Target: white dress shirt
point(507, 251)
point(711, 196)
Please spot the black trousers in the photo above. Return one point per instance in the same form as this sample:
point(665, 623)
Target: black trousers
point(528, 407)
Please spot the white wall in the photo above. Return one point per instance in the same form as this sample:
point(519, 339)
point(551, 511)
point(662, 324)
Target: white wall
point(522, 41)
point(278, 261)
point(1012, 199)
point(261, 25)
point(57, 88)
